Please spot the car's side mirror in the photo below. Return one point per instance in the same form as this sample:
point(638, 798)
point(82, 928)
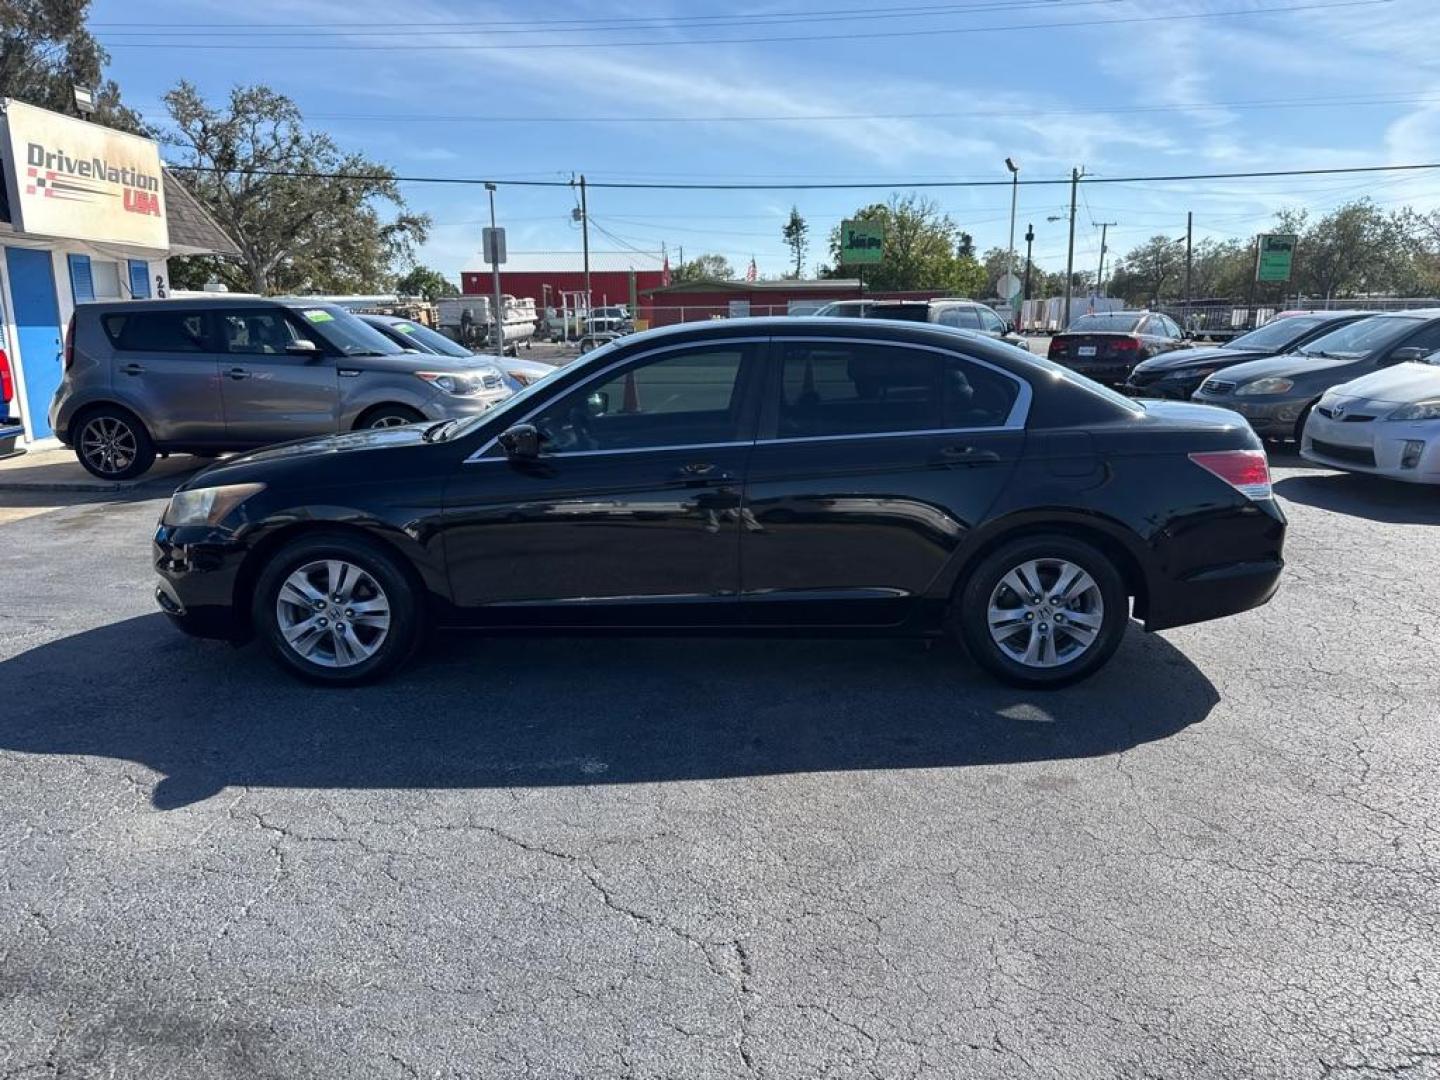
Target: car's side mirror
point(1407, 354)
point(521, 442)
point(598, 403)
point(302, 347)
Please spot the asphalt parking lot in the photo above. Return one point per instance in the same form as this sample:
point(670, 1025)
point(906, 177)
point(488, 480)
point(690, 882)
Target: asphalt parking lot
point(696, 858)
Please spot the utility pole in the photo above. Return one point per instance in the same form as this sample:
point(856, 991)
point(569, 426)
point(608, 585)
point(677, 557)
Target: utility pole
point(1100, 273)
point(1075, 175)
point(498, 315)
point(585, 241)
point(1029, 245)
point(1189, 261)
point(1014, 198)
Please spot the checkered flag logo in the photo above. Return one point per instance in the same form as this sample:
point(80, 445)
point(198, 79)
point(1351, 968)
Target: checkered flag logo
point(39, 183)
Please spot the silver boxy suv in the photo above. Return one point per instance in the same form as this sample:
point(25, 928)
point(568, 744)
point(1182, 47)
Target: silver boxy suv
point(231, 373)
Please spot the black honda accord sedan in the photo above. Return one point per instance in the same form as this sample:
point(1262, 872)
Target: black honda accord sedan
point(743, 476)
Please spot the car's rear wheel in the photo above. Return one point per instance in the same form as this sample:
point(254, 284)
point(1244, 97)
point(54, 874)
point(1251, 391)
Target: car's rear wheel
point(112, 443)
point(1043, 611)
point(383, 416)
point(337, 609)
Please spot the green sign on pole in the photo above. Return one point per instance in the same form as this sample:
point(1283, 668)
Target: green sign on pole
point(1276, 257)
point(862, 243)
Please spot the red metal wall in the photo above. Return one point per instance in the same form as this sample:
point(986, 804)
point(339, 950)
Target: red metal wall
point(685, 305)
point(606, 287)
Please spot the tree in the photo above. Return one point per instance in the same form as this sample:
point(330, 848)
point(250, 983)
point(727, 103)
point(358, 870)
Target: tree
point(45, 51)
point(921, 249)
point(305, 214)
point(797, 238)
point(1150, 271)
point(427, 283)
point(709, 267)
point(965, 246)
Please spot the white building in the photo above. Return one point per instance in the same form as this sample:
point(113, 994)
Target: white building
point(86, 213)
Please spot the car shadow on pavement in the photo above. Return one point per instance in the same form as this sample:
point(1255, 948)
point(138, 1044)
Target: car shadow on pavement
point(518, 712)
point(1374, 497)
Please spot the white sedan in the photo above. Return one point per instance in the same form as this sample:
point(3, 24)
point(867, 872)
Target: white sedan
point(1386, 422)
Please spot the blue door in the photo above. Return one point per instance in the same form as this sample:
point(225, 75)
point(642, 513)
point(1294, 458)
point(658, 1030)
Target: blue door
point(37, 323)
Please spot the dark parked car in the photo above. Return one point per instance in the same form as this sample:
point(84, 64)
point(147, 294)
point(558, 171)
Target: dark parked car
point(959, 313)
point(409, 334)
point(1276, 395)
point(1178, 374)
point(751, 475)
point(143, 377)
point(1106, 345)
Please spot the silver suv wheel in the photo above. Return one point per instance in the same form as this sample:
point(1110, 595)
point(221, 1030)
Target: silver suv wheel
point(1045, 612)
point(332, 613)
point(108, 445)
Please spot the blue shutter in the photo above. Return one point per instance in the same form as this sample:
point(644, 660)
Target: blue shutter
point(81, 282)
point(139, 279)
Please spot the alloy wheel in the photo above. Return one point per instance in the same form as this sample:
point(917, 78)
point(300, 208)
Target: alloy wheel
point(333, 613)
point(1045, 613)
point(108, 445)
point(390, 420)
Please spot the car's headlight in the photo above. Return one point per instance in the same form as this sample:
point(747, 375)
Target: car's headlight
point(1267, 386)
point(1418, 410)
point(464, 383)
point(207, 506)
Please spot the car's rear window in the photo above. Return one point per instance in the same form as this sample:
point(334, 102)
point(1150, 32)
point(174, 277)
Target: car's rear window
point(1111, 322)
point(156, 331)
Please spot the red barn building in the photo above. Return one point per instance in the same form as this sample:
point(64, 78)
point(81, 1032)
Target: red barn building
point(690, 301)
point(544, 275)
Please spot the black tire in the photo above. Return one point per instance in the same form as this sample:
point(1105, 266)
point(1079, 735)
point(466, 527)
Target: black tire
point(1300, 421)
point(391, 415)
point(971, 606)
point(112, 443)
point(396, 590)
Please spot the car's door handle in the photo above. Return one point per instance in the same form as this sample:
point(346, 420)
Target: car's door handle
point(701, 472)
point(966, 455)
point(132, 369)
point(238, 373)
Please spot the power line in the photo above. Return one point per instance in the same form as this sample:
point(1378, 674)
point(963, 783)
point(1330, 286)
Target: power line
point(1096, 110)
point(860, 186)
point(617, 23)
point(873, 35)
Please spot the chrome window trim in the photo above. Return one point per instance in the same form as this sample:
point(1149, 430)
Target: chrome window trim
point(659, 351)
point(1019, 412)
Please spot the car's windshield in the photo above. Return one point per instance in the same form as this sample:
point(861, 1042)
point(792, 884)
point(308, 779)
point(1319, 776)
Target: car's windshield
point(1361, 338)
point(1110, 322)
point(347, 332)
point(430, 340)
point(1277, 336)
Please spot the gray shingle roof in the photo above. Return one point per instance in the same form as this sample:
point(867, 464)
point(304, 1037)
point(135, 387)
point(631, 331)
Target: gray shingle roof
point(192, 230)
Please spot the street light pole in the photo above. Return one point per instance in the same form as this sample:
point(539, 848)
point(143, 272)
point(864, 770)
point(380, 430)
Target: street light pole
point(498, 315)
point(1029, 245)
point(1014, 198)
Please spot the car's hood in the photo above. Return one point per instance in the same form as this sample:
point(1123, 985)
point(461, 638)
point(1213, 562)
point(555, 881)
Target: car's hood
point(1286, 364)
point(240, 467)
point(1397, 385)
point(1209, 356)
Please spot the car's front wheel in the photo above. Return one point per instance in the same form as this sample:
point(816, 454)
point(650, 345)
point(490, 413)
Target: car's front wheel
point(1043, 611)
point(383, 416)
point(337, 609)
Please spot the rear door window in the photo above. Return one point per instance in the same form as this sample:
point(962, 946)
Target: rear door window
point(157, 331)
point(831, 389)
point(964, 318)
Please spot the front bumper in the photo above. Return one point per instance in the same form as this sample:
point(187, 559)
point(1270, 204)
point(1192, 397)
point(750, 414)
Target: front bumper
point(199, 569)
point(451, 407)
point(1374, 446)
point(1168, 388)
point(1269, 418)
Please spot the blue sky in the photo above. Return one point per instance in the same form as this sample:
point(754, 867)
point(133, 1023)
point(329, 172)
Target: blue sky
point(1121, 87)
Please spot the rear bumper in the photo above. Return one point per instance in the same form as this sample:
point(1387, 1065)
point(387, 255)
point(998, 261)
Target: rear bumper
point(1215, 592)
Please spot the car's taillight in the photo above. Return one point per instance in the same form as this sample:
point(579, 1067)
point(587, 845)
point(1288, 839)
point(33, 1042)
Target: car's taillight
point(70, 343)
point(1127, 344)
point(7, 381)
point(1057, 347)
point(1246, 471)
